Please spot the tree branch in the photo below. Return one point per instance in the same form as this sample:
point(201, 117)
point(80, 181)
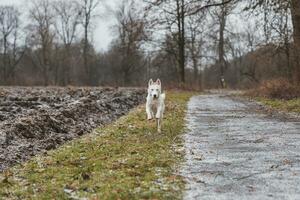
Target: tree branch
point(200, 8)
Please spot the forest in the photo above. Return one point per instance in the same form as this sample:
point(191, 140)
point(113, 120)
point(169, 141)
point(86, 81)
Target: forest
point(195, 44)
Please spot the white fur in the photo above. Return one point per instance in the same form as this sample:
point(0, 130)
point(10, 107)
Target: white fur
point(155, 101)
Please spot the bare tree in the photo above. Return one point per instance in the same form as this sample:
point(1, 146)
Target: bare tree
point(88, 8)
point(282, 28)
point(295, 11)
point(249, 69)
point(195, 43)
point(132, 33)
point(10, 51)
point(294, 6)
point(173, 14)
point(68, 15)
point(42, 16)
point(222, 13)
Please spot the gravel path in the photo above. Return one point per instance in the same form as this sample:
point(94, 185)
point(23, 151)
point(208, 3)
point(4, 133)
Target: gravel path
point(236, 151)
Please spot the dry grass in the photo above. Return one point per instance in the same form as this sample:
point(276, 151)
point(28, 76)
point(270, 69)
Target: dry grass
point(282, 105)
point(276, 89)
point(279, 94)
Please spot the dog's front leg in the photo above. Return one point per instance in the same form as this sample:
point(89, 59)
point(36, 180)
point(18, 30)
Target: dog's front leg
point(159, 118)
point(159, 113)
point(149, 111)
point(158, 121)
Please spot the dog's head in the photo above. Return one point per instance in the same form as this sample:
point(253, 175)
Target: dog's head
point(154, 88)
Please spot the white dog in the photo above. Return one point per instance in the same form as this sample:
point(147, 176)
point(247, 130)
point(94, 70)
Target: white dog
point(155, 100)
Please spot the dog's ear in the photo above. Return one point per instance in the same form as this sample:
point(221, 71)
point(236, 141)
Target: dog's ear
point(150, 82)
point(158, 81)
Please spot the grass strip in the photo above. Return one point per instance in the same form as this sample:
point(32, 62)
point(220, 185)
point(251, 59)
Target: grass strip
point(283, 105)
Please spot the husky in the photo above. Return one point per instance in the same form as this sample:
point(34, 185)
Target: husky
point(155, 100)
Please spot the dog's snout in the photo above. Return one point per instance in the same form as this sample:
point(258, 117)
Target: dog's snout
point(155, 96)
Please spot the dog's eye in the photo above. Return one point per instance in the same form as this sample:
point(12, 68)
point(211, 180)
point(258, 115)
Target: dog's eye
point(152, 89)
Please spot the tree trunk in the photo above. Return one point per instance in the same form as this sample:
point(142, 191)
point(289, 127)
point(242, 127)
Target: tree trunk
point(68, 67)
point(222, 62)
point(195, 68)
point(85, 51)
point(46, 64)
point(181, 40)
point(221, 48)
point(5, 63)
point(126, 78)
point(295, 9)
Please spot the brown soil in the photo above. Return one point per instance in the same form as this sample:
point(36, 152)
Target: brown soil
point(34, 120)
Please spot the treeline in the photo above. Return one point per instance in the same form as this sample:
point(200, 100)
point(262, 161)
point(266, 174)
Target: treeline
point(248, 71)
point(52, 44)
point(52, 48)
point(184, 42)
point(267, 49)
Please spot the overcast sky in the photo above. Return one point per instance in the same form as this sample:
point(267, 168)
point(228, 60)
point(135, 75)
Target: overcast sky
point(102, 34)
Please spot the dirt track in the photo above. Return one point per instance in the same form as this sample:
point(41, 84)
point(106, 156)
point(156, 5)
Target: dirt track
point(33, 120)
point(235, 150)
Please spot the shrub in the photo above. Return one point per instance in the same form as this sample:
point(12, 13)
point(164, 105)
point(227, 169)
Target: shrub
point(277, 89)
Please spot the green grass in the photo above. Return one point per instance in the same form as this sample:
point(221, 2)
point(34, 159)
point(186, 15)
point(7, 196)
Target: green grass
point(125, 160)
point(283, 105)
